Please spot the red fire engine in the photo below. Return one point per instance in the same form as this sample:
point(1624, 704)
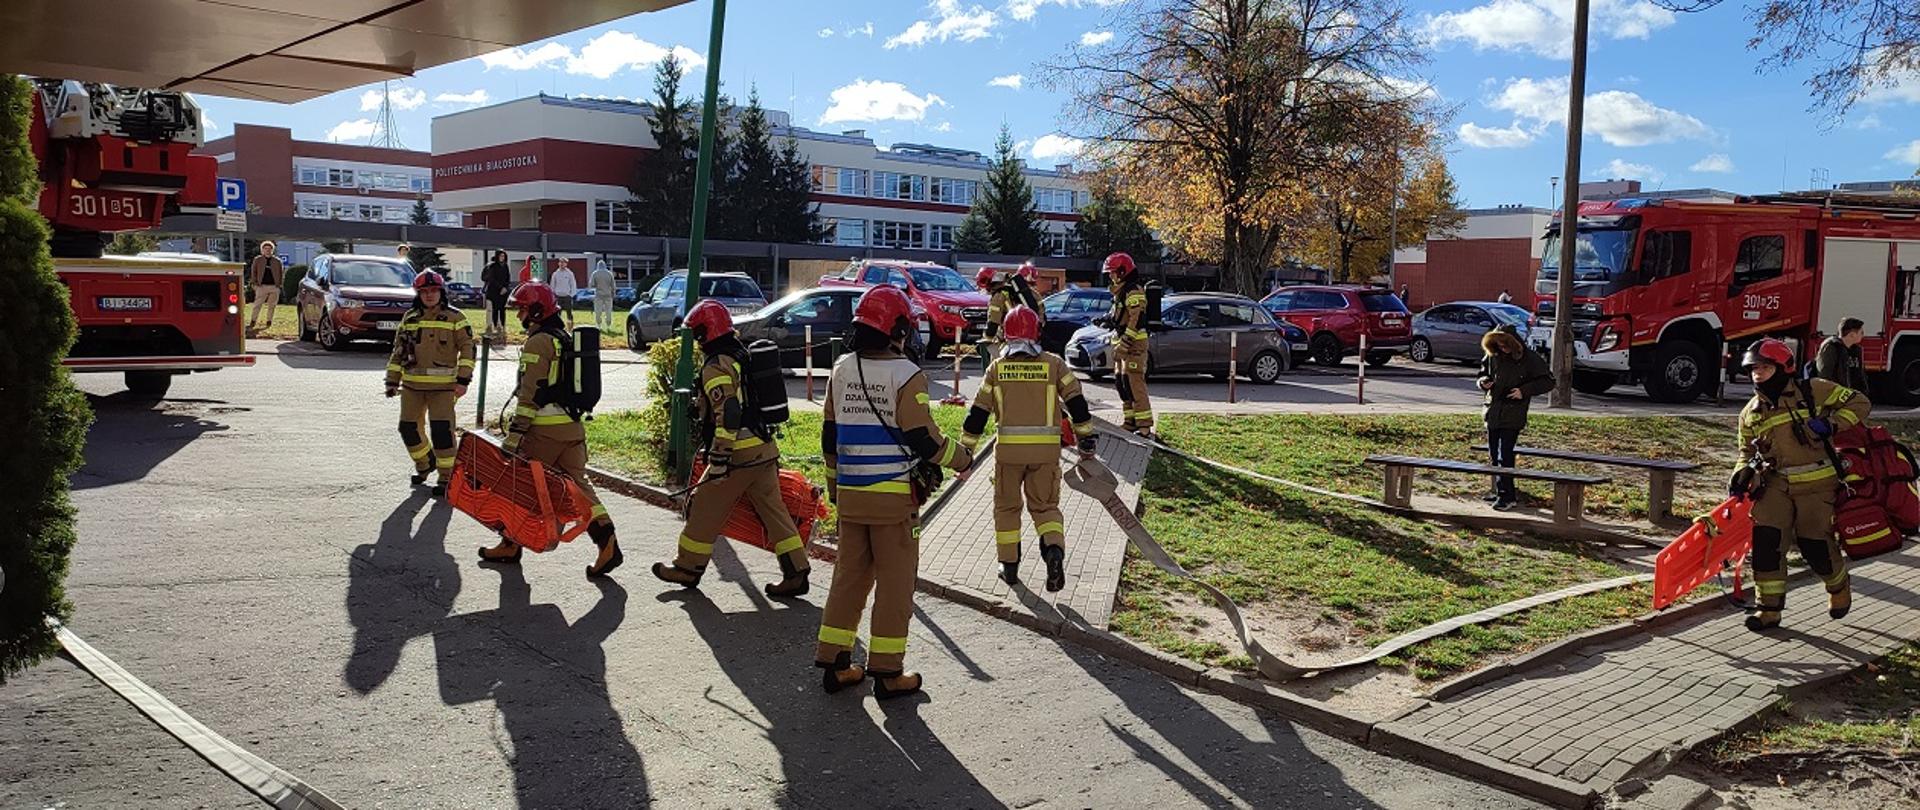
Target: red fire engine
point(118, 159)
point(1664, 290)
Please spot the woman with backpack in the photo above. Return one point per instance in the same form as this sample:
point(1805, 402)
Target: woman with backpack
point(544, 430)
point(1511, 375)
point(742, 462)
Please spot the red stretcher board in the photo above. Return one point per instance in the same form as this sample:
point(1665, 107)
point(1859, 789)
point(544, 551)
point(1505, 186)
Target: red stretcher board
point(527, 502)
point(805, 502)
point(1717, 539)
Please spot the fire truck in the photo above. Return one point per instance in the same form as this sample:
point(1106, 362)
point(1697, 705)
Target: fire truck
point(119, 159)
point(1665, 291)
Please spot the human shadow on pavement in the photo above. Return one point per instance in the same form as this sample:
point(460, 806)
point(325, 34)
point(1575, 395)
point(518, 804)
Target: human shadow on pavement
point(399, 587)
point(830, 749)
point(1271, 768)
point(128, 440)
point(569, 745)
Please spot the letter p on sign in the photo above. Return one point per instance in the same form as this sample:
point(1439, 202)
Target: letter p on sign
point(232, 195)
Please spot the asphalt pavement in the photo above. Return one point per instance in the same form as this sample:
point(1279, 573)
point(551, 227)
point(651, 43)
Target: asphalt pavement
point(250, 548)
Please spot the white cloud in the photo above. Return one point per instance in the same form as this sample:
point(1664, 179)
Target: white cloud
point(1620, 118)
point(1618, 169)
point(865, 29)
point(954, 22)
point(1012, 80)
point(877, 101)
point(1544, 27)
point(1095, 39)
point(404, 98)
point(519, 59)
point(943, 126)
point(615, 51)
point(1495, 138)
point(1026, 9)
point(1057, 147)
point(826, 32)
point(1908, 153)
point(475, 98)
point(355, 130)
point(1715, 163)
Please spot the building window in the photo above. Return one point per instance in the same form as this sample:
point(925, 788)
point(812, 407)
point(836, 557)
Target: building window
point(610, 216)
point(846, 232)
point(312, 175)
point(447, 219)
point(845, 182)
point(340, 177)
point(1054, 200)
point(423, 183)
point(897, 186)
point(312, 209)
point(899, 234)
point(940, 237)
point(954, 192)
point(394, 213)
point(1053, 243)
point(343, 211)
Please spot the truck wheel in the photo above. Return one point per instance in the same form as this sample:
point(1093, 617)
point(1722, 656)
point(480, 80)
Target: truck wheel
point(1681, 372)
point(1593, 382)
point(1326, 350)
point(1901, 383)
point(149, 385)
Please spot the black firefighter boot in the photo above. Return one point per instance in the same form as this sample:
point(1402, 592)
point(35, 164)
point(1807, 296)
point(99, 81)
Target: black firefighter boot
point(610, 556)
point(793, 581)
point(1056, 559)
point(420, 478)
point(840, 673)
point(1010, 572)
point(683, 577)
point(889, 685)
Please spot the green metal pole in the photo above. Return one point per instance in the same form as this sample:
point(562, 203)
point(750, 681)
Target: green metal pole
point(480, 407)
point(680, 435)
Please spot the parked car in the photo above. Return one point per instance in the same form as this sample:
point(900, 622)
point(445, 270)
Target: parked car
point(1067, 311)
point(1195, 339)
point(347, 297)
point(462, 294)
point(957, 308)
point(1335, 317)
point(657, 314)
point(829, 310)
point(583, 299)
point(625, 296)
point(1453, 331)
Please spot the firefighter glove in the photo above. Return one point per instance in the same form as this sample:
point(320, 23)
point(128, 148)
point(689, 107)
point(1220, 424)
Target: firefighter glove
point(393, 391)
point(1741, 483)
point(1086, 445)
point(1820, 426)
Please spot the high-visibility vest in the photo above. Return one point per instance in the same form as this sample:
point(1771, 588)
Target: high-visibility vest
point(870, 451)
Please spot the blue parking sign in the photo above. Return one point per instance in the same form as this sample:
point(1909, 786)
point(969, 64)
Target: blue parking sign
point(232, 194)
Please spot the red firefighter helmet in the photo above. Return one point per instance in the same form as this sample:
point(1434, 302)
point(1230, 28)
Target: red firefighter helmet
point(1028, 273)
point(709, 320)
point(984, 277)
point(886, 308)
point(1769, 350)
point(1021, 323)
point(428, 278)
point(1120, 265)
point(536, 302)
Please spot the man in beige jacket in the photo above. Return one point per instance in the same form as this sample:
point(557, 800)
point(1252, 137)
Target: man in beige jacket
point(265, 274)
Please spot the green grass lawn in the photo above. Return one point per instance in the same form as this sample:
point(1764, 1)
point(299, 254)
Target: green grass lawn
point(1876, 710)
point(286, 326)
point(1274, 548)
point(617, 442)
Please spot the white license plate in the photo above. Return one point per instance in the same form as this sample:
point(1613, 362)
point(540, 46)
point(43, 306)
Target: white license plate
point(126, 304)
point(386, 326)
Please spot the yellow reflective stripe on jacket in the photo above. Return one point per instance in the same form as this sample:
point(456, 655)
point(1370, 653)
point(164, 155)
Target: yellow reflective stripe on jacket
point(947, 457)
point(433, 325)
point(524, 410)
point(553, 419)
point(466, 362)
point(748, 441)
point(1808, 472)
point(1027, 434)
point(836, 636)
point(1846, 416)
point(395, 367)
point(883, 487)
point(1839, 395)
point(1758, 426)
point(717, 382)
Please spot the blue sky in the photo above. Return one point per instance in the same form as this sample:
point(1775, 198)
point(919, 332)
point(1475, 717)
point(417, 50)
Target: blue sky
point(1674, 100)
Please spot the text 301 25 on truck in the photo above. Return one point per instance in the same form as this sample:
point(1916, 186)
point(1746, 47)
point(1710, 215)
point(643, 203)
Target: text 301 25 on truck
point(956, 308)
point(1662, 290)
point(117, 159)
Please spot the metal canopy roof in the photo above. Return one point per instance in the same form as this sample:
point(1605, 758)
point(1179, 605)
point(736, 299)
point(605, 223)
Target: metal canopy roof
point(276, 50)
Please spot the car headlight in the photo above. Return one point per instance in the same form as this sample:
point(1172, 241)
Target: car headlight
point(352, 303)
point(1607, 341)
point(953, 309)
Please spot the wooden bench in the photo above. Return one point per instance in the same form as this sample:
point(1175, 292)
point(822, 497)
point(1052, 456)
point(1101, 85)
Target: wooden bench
point(1569, 489)
point(1659, 473)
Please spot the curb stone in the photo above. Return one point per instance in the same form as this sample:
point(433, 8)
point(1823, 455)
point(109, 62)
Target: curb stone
point(1392, 738)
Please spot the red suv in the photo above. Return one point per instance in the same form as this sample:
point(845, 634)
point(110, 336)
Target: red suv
point(1335, 317)
point(956, 308)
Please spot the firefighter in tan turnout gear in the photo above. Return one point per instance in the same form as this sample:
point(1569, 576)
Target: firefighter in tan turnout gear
point(431, 364)
point(545, 430)
point(1025, 390)
point(1128, 321)
point(881, 449)
point(1787, 470)
point(742, 462)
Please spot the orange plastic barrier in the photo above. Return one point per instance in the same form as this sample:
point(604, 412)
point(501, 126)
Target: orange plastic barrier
point(1717, 539)
point(525, 501)
point(805, 502)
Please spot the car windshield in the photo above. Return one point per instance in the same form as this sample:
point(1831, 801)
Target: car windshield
point(944, 279)
point(1509, 314)
point(1600, 262)
point(785, 301)
point(1382, 302)
point(371, 274)
point(728, 287)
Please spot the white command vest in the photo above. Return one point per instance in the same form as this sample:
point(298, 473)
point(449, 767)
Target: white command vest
point(871, 452)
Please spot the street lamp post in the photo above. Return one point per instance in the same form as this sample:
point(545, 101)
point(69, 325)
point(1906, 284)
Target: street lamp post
point(1570, 217)
point(679, 436)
